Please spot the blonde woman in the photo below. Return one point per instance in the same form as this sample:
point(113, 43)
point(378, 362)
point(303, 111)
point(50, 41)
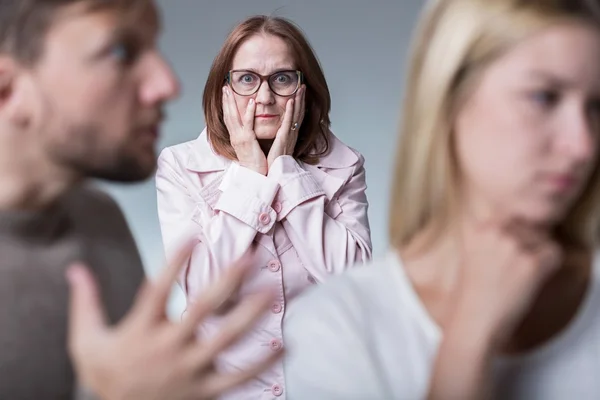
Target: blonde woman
point(492, 283)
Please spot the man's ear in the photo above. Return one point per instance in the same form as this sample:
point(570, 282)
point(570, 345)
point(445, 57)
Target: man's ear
point(7, 76)
point(12, 96)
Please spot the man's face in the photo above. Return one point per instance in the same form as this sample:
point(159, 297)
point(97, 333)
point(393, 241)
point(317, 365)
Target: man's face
point(96, 95)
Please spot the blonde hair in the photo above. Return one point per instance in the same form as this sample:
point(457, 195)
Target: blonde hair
point(455, 41)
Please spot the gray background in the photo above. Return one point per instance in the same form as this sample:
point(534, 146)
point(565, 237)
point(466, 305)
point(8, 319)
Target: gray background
point(362, 46)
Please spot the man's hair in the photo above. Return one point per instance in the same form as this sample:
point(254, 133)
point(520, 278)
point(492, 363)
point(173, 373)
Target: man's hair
point(24, 23)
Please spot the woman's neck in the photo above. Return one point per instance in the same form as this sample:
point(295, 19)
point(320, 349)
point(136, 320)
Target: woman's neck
point(265, 145)
point(434, 262)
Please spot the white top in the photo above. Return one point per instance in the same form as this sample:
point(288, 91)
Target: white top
point(367, 336)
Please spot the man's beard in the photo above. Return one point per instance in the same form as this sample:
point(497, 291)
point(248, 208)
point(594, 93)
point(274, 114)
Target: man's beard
point(121, 169)
point(88, 155)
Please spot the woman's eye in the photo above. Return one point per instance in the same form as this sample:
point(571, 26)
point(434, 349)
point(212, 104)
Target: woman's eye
point(247, 79)
point(545, 98)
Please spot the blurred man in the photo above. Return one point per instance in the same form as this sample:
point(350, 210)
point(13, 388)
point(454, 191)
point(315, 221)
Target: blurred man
point(82, 90)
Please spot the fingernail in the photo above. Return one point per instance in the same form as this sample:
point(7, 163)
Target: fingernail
point(251, 101)
point(74, 273)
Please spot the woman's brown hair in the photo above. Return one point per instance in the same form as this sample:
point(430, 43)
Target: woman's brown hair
point(313, 137)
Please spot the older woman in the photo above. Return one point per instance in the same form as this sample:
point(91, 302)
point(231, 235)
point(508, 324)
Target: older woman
point(492, 284)
point(267, 176)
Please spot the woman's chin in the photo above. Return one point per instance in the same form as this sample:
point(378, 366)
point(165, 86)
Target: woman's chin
point(542, 214)
point(265, 134)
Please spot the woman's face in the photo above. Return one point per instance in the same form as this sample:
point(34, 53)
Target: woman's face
point(264, 55)
point(526, 138)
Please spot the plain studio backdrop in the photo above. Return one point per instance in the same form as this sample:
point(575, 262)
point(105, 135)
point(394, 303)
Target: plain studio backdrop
point(362, 46)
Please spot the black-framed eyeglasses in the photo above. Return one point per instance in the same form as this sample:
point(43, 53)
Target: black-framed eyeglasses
point(283, 83)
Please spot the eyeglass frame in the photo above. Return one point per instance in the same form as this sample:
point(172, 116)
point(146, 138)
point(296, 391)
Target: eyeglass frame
point(266, 78)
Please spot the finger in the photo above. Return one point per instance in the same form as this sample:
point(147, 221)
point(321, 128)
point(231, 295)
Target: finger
point(238, 323)
point(217, 294)
point(298, 107)
point(152, 301)
point(493, 218)
point(215, 384)
point(143, 292)
point(525, 226)
point(226, 113)
point(233, 110)
point(286, 124)
point(303, 104)
point(283, 133)
point(86, 313)
point(231, 116)
point(529, 236)
point(249, 116)
point(551, 257)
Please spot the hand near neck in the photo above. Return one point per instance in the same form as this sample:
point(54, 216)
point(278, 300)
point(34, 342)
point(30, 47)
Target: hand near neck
point(503, 263)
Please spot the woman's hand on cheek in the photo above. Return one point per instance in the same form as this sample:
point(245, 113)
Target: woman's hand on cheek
point(287, 135)
point(241, 133)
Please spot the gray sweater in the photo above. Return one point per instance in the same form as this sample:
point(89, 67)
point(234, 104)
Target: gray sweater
point(35, 249)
